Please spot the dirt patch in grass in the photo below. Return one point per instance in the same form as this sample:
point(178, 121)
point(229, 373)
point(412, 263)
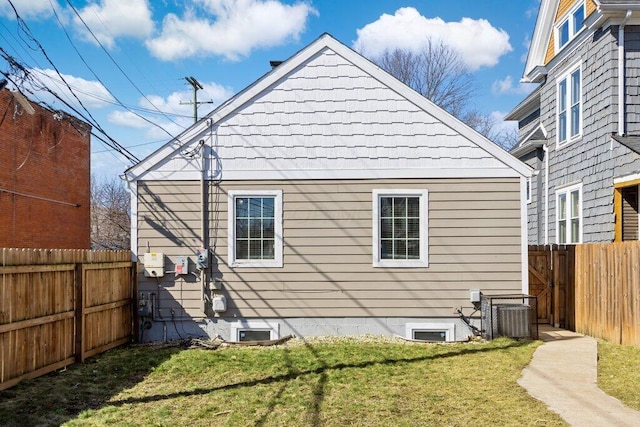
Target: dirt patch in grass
point(619, 372)
point(317, 382)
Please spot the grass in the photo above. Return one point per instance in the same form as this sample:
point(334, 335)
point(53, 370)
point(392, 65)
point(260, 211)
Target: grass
point(304, 383)
point(619, 372)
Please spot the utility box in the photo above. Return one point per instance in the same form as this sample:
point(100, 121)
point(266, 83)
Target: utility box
point(154, 264)
point(182, 265)
point(219, 304)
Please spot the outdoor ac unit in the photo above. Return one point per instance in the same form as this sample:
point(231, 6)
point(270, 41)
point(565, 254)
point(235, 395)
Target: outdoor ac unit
point(514, 320)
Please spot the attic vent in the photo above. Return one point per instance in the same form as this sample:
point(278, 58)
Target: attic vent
point(274, 64)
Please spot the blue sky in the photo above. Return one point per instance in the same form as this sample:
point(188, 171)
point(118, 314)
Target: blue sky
point(149, 47)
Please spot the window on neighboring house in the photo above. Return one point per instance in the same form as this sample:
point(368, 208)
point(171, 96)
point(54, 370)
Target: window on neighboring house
point(570, 25)
point(400, 228)
point(529, 190)
point(569, 215)
point(569, 106)
point(255, 228)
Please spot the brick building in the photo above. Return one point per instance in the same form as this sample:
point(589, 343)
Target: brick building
point(44, 176)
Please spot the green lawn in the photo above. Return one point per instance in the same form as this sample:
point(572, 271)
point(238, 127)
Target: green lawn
point(619, 372)
point(333, 382)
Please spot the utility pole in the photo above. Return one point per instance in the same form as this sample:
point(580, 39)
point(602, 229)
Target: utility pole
point(196, 85)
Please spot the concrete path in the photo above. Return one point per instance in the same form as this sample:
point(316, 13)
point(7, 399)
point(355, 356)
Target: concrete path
point(563, 375)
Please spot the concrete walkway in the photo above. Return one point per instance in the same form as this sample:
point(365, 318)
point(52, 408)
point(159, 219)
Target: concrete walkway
point(563, 375)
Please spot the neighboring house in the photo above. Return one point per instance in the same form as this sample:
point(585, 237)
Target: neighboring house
point(580, 128)
point(332, 199)
point(44, 176)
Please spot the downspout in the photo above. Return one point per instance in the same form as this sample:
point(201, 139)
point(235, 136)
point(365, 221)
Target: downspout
point(203, 224)
point(621, 74)
point(546, 193)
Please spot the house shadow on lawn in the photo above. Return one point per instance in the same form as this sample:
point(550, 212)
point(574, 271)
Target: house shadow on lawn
point(319, 374)
point(62, 395)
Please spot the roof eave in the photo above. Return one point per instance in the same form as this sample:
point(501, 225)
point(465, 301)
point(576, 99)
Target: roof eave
point(527, 106)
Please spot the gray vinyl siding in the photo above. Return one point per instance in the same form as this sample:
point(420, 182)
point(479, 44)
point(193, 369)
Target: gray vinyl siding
point(593, 160)
point(535, 226)
point(474, 242)
point(632, 90)
point(526, 125)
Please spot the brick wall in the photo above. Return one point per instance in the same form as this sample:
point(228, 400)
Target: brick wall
point(45, 158)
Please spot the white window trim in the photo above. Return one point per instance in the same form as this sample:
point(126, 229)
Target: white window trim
point(566, 76)
point(231, 219)
point(529, 188)
point(261, 325)
point(567, 190)
point(448, 328)
point(567, 17)
point(424, 229)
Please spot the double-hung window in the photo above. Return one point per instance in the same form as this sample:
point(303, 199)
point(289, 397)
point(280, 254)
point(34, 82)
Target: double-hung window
point(400, 228)
point(569, 106)
point(255, 228)
point(570, 25)
point(569, 215)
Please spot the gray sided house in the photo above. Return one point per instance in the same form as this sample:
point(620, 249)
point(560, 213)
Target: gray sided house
point(325, 198)
point(580, 128)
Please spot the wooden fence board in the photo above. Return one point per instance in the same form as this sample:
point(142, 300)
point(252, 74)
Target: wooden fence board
point(57, 306)
point(607, 291)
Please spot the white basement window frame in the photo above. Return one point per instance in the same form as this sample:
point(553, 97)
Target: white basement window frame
point(449, 330)
point(271, 257)
point(238, 328)
point(383, 254)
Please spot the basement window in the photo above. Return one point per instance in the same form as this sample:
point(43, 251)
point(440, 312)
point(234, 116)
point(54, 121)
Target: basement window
point(439, 332)
point(254, 334)
point(254, 330)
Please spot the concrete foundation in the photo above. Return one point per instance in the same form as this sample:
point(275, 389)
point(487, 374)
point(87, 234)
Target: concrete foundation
point(227, 328)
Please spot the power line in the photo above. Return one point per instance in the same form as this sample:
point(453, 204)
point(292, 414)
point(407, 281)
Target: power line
point(27, 76)
point(101, 82)
point(114, 61)
point(23, 25)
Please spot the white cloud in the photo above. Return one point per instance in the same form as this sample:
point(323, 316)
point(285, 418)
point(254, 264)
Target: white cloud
point(110, 19)
point(127, 119)
point(532, 12)
point(229, 28)
point(91, 93)
point(28, 9)
point(477, 41)
point(506, 87)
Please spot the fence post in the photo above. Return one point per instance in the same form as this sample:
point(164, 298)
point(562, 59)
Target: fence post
point(134, 302)
point(78, 280)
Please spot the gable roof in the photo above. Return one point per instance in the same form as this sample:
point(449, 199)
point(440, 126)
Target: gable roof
point(292, 65)
point(534, 139)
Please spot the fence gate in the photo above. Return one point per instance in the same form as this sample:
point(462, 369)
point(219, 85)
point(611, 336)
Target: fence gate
point(551, 279)
point(540, 281)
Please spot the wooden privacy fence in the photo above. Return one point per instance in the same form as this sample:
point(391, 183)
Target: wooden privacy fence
point(607, 291)
point(61, 306)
